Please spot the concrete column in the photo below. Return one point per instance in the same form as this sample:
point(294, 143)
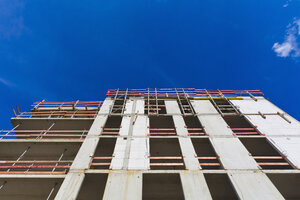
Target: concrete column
point(254, 185)
point(139, 151)
point(187, 148)
point(72, 183)
point(194, 185)
point(123, 185)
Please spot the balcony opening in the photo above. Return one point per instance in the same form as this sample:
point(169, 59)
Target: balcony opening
point(40, 129)
point(93, 186)
point(112, 125)
point(155, 107)
point(266, 155)
point(206, 154)
point(193, 126)
point(118, 105)
point(185, 106)
point(240, 125)
point(220, 187)
point(224, 107)
point(162, 126)
point(165, 154)
point(287, 184)
point(29, 157)
point(29, 188)
point(162, 186)
point(104, 153)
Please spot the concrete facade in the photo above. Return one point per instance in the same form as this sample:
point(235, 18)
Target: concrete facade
point(154, 147)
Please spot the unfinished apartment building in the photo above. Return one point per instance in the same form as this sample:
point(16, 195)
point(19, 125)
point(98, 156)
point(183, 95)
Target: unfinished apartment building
point(183, 143)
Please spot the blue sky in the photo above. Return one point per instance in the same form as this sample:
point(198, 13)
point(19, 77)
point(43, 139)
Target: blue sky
point(68, 50)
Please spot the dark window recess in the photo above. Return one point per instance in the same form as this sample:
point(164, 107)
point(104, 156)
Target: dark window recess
point(220, 187)
point(29, 188)
point(25, 156)
point(112, 125)
point(162, 186)
point(265, 154)
point(118, 105)
point(104, 153)
point(185, 106)
point(155, 107)
point(287, 184)
point(240, 125)
point(193, 126)
point(93, 187)
point(206, 154)
point(165, 153)
point(162, 125)
point(224, 107)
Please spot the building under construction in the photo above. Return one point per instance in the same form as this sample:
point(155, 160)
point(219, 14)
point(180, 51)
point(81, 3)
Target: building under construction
point(182, 143)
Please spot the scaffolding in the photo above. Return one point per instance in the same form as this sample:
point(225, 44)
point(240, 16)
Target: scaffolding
point(189, 93)
point(187, 143)
point(71, 109)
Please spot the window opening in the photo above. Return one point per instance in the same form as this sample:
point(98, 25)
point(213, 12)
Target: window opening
point(266, 156)
point(162, 186)
point(287, 184)
point(240, 125)
point(184, 103)
point(165, 153)
point(220, 187)
point(161, 126)
point(93, 186)
point(112, 125)
point(193, 126)
point(155, 107)
point(104, 153)
point(206, 154)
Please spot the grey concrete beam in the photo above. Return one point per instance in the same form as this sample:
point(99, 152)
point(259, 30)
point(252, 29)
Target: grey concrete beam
point(254, 185)
point(123, 185)
point(194, 185)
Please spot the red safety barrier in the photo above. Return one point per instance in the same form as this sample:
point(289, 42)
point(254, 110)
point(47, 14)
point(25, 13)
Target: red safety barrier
point(162, 131)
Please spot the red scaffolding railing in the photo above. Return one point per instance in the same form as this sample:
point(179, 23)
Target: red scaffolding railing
point(72, 109)
point(175, 92)
point(34, 166)
point(195, 131)
point(101, 162)
point(44, 134)
point(272, 161)
point(245, 131)
point(66, 104)
point(162, 131)
point(166, 161)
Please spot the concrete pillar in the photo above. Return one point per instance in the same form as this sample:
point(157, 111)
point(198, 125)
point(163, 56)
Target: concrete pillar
point(72, 183)
point(123, 185)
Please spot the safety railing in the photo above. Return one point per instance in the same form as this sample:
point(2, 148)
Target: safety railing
point(43, 134)
point(57, 114)
point(245, 131)
point(195, 131)
point(175, 92)
point(162, 132)
point(34, 166)
point(66, 105)
point(272, 162)
point(154, 109)
point(102, 162)
point(174, 162)
point(208, 162)
point(110, 131)
point(73, 109)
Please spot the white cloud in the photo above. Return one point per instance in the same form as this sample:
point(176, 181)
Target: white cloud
point(6, 82)
point(287, 3)
point(290, 45)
